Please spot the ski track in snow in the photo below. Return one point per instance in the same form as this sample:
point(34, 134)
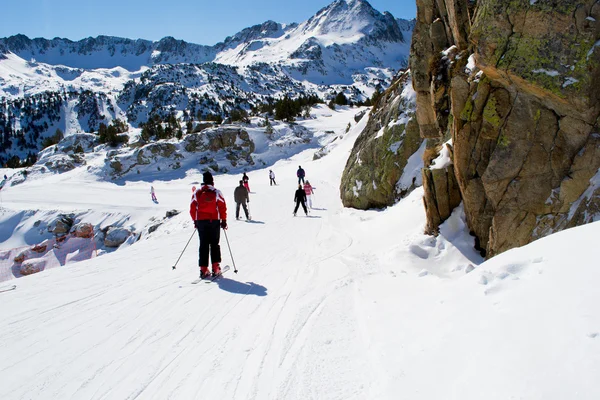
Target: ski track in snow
point(346, 304)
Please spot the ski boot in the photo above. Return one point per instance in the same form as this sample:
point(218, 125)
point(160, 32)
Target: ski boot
point(216, 269)
point(204, 272)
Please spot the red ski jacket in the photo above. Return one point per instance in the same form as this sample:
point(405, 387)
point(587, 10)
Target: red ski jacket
point(208, 203)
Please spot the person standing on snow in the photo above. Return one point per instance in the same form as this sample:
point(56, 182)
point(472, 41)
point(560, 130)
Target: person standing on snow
point(272, 178)
point(300, 198)
point(153, 195)
point(300, 174)
point(309, 190)
point(209, 212)
point(246, 179)
point(240, 195)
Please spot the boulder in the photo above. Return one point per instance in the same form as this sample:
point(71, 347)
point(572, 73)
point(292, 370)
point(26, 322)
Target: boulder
point(358, 116)
point(172, 213)
point(39, 248)
point(83, 230)
point(29, 268)
point(154, 227)
point(61, 225)
point(116, 237)
point(21, 257)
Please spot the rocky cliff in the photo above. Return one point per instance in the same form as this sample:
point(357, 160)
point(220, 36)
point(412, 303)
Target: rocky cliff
point(516, 87)
point(385, 162)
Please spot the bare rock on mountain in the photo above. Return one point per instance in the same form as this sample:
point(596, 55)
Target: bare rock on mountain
point(62, 224)
point(32, 267)
point(83, 230)
point(375, 174)
point(218, 148)
point(116, 237)
point(517, 88)
point(442, 195)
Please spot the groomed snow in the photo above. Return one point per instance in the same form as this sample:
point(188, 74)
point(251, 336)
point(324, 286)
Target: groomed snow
point(344, 304)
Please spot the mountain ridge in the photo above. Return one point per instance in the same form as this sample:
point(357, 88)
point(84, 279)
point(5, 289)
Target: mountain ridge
point(49, 84)
point(340, 17)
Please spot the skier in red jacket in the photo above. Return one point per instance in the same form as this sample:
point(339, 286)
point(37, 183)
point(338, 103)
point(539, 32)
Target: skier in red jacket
point(209, 211)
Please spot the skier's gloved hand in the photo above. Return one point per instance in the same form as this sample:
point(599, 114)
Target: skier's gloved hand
point(224, 224)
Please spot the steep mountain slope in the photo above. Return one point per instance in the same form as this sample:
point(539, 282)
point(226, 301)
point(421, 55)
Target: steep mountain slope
point(347, 46)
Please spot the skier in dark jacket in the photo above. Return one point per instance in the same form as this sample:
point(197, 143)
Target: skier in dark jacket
point(209, 212)
point(240, 195)
point(300, 198)
point(300, 174)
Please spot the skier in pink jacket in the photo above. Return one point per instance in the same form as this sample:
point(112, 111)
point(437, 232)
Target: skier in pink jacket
point(309, 190)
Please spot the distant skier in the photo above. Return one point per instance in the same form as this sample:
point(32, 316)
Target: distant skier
point(209, 211)
point(309, 190)
point(246, 179)
point(272, 178)
point(240, 195)
point(153, 194)
point(300, 174)
point(300, 198)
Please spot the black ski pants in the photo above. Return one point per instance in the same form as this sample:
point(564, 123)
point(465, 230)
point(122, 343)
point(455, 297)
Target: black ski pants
point(273, 181)
point(298, 202)
point(209, 232)
point(237, 209)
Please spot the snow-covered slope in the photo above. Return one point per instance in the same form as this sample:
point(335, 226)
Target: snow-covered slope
point(346, 47)
point(341, 304)
point(342, 39)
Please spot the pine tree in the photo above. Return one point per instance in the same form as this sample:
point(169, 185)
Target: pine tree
point(268, 127)
point(340, 99)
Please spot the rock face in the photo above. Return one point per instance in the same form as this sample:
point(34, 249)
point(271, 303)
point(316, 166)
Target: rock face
point(217, 148)
point(516, 86)
point(375, 174)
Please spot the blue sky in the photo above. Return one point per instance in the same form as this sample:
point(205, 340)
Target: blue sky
point(197, 21)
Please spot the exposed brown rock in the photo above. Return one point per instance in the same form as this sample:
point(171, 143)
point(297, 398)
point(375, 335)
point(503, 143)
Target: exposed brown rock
point(524, 122)
point(30, 268)
point(83, 230)
point(442, 195)
point(39, 248)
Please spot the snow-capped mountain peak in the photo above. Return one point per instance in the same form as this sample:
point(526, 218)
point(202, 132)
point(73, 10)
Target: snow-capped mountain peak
point(346, 18)
point(268, 29)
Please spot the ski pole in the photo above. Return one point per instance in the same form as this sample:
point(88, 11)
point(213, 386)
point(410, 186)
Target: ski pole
point(186, 245)
point(234, 268)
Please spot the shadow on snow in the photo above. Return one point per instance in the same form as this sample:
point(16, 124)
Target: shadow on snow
point(232, 286)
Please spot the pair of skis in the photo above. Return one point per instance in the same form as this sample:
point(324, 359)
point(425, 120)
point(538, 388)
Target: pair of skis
point(212, 278)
